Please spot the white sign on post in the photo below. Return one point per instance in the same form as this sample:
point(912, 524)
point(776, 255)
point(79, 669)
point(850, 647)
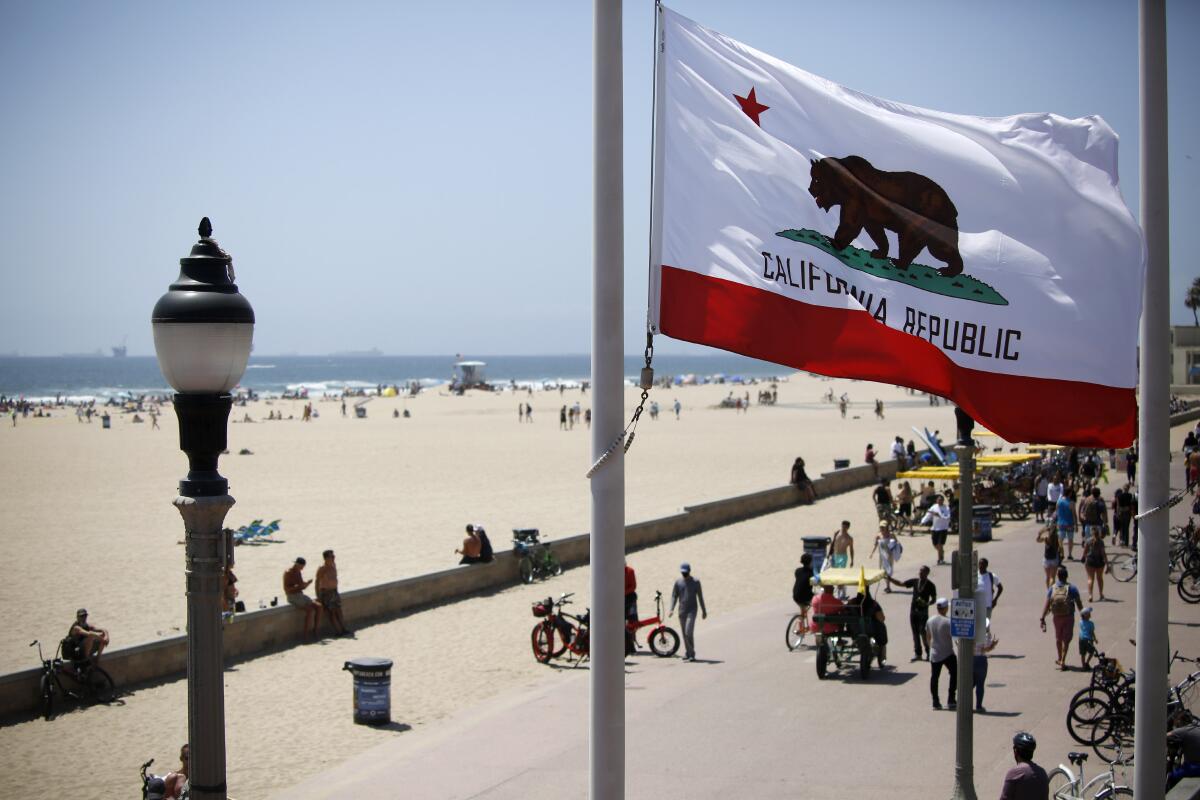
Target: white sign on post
point(962, 618)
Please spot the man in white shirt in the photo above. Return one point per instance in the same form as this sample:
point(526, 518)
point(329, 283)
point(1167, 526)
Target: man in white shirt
point(1054, 490)
point(1041, 498)
point(990, 589)
point(898, 453)
point(939, 514)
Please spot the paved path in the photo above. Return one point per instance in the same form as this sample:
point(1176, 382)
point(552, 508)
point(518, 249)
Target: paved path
point(751, 720)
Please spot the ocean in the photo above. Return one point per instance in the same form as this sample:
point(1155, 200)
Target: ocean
point(102, 377)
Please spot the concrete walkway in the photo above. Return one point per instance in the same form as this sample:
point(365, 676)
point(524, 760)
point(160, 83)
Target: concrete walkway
point(751, 720)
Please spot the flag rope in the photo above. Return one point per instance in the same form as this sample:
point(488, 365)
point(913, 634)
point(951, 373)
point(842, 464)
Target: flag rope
point(646, 382)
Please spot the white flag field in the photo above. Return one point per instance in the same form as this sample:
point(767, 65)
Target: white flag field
point(989, 260)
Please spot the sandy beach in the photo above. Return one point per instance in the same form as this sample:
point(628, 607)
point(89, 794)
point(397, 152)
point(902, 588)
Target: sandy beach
point(89, 517)
point(89, 520)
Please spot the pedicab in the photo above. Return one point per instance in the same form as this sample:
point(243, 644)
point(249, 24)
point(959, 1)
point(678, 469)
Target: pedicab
point(845, 638)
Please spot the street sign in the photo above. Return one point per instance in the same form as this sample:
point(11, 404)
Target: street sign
point(962, 618)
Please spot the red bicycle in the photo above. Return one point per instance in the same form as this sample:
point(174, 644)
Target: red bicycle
point(663, 640)
point(559, 632)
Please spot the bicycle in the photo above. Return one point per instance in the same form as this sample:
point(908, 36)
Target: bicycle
point(570, 631)
point(1064, 785)
point(537, 560)
point(1123, 566)
point(81, 681)
point(663, 640)
point(797, 629)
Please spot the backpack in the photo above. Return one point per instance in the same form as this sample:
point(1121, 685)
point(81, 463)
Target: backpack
point(485, 545)
point(897, 549)
point(1060, 600)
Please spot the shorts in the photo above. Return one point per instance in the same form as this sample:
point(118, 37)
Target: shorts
point(1066, 533)
point(330, 598)
point(839, 560)
point(1039, 504)
point(1087, 529)
point(882, 510)
point(939, 538)
point(1050, 563)
point(1087, 647)
point(1064, 628)
point(299, 600)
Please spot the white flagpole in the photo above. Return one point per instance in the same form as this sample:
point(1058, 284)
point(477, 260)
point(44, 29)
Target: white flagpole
point(607, 743)
point(1153, 430)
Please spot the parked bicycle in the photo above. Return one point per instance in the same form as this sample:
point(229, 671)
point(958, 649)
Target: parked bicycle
point(536, 559)
point(81, 681)
point(1066, 785)
point(560, 633)
point(663, 640)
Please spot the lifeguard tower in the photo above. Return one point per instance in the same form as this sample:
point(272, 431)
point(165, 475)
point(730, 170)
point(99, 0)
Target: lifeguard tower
point(469, 375)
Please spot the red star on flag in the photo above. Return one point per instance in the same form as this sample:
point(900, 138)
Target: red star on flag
point(750, 106)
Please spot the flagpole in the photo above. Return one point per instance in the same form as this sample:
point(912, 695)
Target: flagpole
point(1150, 704)
point(607, 719)
point(964, 740)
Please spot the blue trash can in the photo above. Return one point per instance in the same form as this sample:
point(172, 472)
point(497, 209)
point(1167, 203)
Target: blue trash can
point(817, 547)
point(981, 523)
point(372, 690)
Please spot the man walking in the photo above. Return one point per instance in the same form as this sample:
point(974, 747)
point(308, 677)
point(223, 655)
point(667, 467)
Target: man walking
point(923, 595)
point(688, 594)
point(841, 551)
point(939, 515)
point(1061, 600)
point(941, 655)
point(990, 589)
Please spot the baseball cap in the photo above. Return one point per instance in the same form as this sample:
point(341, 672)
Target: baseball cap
point(81, 612)
point(685, 567)
point(942, 602)
point(1087, 611)
point(882, 525)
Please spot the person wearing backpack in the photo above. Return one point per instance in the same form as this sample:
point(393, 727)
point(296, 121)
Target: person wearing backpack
point(1061, 601)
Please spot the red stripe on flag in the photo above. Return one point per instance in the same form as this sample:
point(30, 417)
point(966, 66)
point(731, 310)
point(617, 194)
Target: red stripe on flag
point(850, 344)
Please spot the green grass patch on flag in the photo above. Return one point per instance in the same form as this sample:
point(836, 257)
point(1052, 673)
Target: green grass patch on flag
point(919, 276)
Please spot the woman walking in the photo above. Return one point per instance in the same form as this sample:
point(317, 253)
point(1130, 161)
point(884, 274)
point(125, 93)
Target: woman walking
point(1052, 553)
point(1095, 560)
point(904, 500)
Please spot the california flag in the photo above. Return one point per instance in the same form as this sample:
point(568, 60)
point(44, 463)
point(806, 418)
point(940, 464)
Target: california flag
point(988, 260)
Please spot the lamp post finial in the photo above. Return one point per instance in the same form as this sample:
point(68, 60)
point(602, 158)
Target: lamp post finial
point(205, 228)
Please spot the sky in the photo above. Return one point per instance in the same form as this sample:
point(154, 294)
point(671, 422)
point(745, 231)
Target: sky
point(416, 176)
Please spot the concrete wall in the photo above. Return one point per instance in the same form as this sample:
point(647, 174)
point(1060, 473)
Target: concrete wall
point(260, 631)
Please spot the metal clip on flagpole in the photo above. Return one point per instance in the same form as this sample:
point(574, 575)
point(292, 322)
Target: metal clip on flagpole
point(645, 383)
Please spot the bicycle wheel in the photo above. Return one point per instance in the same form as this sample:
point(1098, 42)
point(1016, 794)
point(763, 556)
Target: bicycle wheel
point(1124, 566)
point(525, 570)
point(794, 635)
point(664, 642)
point(1088, 709)
point(1189, 587)
point(1061, 785)
point(98, 686)
point(552, 565)
point(1117, 746)
point(1114, 791)
point(822, 660)
point(48, 691)
point(542, 639)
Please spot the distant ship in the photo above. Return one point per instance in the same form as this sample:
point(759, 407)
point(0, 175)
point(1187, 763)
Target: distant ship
point(119, 350)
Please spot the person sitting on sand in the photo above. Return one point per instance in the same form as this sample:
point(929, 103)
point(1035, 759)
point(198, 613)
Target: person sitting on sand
point(327, 593)
point(472, 546)
point(89, 641)
point(293, 589)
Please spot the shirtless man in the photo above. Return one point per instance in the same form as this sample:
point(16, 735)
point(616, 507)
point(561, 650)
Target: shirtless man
point(841, 551)
point(471, 547)
point(293, 589)
point(327, 593)
point(89, 641)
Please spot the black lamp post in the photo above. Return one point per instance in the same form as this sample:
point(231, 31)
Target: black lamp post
point(202, 335)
